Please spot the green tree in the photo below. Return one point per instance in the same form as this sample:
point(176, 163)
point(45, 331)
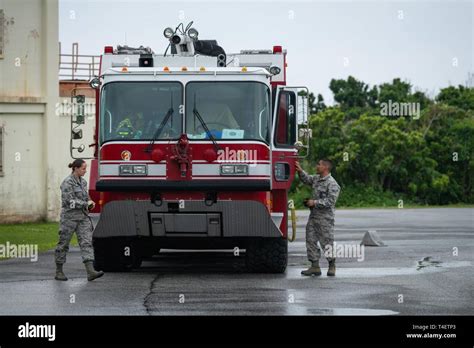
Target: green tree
point(401, 92)
point(397, 91)
point(350, 93)
point(461, 97)
point(378, 159)
point(320, 105)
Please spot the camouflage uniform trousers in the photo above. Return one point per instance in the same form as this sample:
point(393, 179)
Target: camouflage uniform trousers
point(83, 228)
point(319, 229)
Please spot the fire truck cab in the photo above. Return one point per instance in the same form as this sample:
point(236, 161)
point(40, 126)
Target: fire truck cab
point(194, 149)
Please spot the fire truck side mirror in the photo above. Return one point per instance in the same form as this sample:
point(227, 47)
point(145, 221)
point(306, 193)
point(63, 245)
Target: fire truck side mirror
point(79, 112)
point(76, 134)
point(302, 106)
point(78, 117)
point(298, 145)
point(81, 148)
point(305, 133)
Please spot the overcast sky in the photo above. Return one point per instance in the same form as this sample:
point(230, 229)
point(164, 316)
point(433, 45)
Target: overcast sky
point(428, 43)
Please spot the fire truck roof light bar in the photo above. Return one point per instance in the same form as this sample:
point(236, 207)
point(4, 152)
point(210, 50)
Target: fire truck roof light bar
point(222, 71)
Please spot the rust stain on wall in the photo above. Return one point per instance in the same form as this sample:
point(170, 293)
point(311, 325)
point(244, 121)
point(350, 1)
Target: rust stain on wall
point(7, 22)
point(34, 34)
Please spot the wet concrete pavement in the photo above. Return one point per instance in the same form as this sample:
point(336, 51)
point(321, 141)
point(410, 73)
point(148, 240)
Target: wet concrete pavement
point(426, 268)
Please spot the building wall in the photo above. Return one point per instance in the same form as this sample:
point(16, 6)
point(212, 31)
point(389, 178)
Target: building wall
point(21, 68)
point(22, 191)
point(34, 153)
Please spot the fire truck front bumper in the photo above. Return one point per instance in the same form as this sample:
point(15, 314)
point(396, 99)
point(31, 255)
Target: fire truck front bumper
point(191, 219)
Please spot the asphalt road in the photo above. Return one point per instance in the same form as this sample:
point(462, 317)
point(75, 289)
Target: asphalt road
point(390, 279)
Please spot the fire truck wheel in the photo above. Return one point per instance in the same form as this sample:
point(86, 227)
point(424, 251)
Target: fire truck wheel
point(267, 255)
point(113, 256)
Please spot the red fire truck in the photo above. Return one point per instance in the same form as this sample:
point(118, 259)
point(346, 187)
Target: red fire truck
point(194, 149)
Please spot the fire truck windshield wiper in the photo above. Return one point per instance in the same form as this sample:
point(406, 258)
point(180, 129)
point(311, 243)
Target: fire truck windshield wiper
point(204, 125)
point(158, 131)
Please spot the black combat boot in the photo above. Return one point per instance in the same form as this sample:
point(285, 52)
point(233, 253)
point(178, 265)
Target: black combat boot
point(59, 272)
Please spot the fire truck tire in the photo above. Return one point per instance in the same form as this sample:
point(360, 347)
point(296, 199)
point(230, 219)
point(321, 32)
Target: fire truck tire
point(267, 255)
point(109, 257)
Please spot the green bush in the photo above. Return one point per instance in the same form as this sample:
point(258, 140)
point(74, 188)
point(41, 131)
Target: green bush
point(355, 196)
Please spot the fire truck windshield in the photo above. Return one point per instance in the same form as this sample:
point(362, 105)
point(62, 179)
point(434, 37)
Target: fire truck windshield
point(135, 110)
point(230, 109)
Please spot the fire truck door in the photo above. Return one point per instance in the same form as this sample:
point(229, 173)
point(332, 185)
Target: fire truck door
point(285, 135)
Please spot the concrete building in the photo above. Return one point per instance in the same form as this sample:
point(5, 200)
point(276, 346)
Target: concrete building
point(34, 134)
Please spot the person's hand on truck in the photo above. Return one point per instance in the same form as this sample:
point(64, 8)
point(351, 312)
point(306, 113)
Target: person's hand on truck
point(90, 205)
point(298, 167)
point(309, 203)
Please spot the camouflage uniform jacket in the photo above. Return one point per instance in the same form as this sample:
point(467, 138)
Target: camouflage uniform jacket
point(325, 193)
point(74, 196)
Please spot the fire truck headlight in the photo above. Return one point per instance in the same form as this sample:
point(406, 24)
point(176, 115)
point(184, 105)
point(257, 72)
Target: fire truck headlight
point(227, 170)
point(241, 169)
point(193, 33)
point(234, 169)
point(168, 32)
point(139, 170)
point(274, 70)
point(128, 169)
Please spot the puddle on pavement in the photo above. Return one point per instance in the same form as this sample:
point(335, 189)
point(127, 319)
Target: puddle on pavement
point(373, 272)
point(427, 262)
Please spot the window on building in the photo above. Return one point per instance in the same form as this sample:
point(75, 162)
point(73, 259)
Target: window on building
point(2, 20)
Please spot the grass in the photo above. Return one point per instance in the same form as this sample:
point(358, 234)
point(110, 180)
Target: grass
point(44, 234)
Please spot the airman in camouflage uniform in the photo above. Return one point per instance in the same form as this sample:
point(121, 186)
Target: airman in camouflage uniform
point(320, 226)
point(75, 218)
